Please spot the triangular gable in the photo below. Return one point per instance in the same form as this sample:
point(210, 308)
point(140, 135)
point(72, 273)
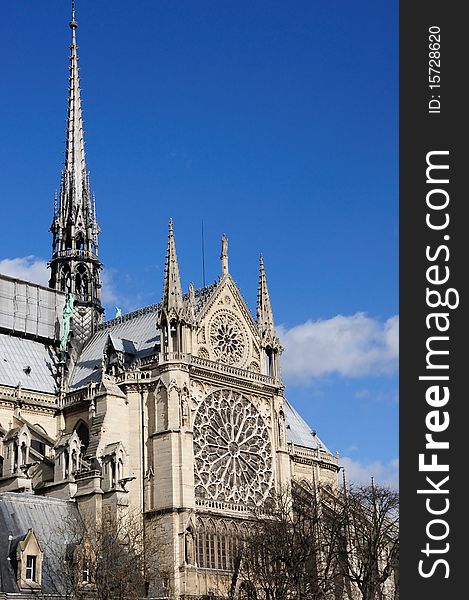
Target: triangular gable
point(228, 282)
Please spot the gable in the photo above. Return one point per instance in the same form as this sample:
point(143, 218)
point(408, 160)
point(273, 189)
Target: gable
point(226, 331)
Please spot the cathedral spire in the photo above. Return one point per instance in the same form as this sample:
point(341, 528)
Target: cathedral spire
point(265, 317)
point(265, 325)
point(75, 165)
point(172, 301)
point(75, 267)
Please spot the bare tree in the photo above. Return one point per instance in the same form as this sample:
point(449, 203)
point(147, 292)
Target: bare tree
point(113, 558)
point(287, 554)
point(371, 519)
point(317, 544)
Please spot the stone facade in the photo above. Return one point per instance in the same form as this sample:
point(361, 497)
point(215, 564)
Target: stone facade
point(176, 411)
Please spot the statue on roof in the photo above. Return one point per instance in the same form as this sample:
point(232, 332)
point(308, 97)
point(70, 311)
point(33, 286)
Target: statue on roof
point(67, 317)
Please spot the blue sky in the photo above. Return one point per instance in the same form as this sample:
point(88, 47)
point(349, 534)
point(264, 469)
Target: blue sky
point(273, 121)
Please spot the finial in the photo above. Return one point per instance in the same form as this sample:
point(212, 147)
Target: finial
point(191, 292)
point(170, 226)
point(224, 254)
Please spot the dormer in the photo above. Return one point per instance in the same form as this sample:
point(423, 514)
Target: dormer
point(29, 557)
point(118, 354)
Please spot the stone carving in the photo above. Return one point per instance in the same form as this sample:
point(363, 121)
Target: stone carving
point(254, 366)
point(189, 546)
point(227, 338)
point(67, 317)
point(232, 450)
point(184, 395)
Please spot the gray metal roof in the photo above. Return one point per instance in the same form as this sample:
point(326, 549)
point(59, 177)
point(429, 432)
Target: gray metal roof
point(299, 432)
point(132, 333)
point(29, 362)
point(30, 309)
point(50, 519)
point(136, 330)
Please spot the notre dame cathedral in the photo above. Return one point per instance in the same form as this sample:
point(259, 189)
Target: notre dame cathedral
point(176, 410)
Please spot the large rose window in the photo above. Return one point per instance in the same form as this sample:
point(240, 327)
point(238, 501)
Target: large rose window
point(227, 339)
point(232, 450)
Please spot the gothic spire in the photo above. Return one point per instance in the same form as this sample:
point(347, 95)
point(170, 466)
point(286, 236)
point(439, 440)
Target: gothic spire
point(265, 317)
point(172, 301)
point(75, 267)
point(75, 166)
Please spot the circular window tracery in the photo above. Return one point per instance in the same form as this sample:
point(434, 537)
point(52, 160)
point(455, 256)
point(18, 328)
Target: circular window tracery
point(227, 338)
point(232, 450)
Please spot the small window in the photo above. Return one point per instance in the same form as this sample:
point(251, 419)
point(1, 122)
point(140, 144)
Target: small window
point(30, 568)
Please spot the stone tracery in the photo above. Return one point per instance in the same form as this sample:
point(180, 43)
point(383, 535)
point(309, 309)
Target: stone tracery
point(227, 338)
point(232, 450)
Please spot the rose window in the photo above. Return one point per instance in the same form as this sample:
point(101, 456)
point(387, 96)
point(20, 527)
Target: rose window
point(227, 339)
point(232, 450)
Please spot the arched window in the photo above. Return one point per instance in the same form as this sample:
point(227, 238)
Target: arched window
point(66, 280)
point(66, 459)
point(84, 435)
point(81, 282)
point(80, 244)
point(221, 546)
point(210, 545)
point(234, 545)
point(217, 544)
point(200, 543)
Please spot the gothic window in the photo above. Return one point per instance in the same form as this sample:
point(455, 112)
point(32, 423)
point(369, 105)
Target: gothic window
point(217, 544)
point(227, 338)
point(81, 282)
point(232, 450)
point(84, 435)
point(80, 243)
point(233, 540)
point(200, 543)
point(221, 547)
point(66, 280)
point(65, 460)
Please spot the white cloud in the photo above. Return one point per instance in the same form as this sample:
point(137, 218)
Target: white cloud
point(352, 346)
point(110, 295)
point(30, 268)
point(361, 473)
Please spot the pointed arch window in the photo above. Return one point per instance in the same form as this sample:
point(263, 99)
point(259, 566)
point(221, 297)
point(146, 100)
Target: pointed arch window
point(80, 243)
point(81, 282)
point(84, 435)
point(200, 543)
point(217, 544)
point(66, 280)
